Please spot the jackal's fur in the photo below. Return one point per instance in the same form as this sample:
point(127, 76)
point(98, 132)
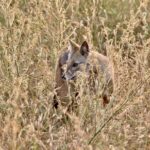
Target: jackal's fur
point(75, 57)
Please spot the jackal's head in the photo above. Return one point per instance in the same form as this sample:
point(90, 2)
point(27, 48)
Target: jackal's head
point(77, 58)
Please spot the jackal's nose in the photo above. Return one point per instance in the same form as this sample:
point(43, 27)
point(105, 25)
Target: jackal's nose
point(63, 77)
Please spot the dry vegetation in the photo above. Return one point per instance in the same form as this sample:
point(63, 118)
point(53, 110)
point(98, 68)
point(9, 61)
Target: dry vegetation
point(33, 33)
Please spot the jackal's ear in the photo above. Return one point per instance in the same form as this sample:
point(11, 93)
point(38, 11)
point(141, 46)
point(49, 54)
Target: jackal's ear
point(84, 49)
point(72, 46)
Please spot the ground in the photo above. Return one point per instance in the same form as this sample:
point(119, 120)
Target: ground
point(33, 34)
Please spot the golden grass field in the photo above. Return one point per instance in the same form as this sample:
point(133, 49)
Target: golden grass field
point(32, 35)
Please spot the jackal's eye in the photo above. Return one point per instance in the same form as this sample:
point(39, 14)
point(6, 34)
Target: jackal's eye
point(75, 64)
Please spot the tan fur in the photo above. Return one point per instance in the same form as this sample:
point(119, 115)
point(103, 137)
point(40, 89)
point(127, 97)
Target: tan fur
point(61, 97)
point(61, 86)
point(106, 69)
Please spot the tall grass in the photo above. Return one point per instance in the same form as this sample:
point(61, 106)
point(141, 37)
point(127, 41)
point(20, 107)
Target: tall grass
point(33, 33)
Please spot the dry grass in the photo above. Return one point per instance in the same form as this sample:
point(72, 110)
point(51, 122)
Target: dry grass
point(32, 34)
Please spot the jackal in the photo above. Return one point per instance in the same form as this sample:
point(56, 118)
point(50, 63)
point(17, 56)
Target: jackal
point(80, 59)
